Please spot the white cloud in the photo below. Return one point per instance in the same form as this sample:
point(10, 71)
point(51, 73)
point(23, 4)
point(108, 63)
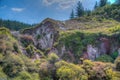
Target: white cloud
point(63, 4)
point(66, 4)
point(17, 9)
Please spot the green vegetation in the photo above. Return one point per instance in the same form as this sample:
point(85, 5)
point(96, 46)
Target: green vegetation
point(102, 3)
point(8, 42)
point(108, 11)
point(72, 15)
point(79, 9)
point(52, 58)
point(26, 40)
point(102, 8)
point(76, 41)
point(13, 25)
point(117, 62)
point(21, 60)
point(105, 58)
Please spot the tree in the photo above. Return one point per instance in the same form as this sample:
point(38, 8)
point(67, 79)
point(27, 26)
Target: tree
point(103, 3)
point(96, 5)
point(87, 12)
point(79, 9)
point(72, 14)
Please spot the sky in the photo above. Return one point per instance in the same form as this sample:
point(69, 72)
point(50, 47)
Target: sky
point(34, 11)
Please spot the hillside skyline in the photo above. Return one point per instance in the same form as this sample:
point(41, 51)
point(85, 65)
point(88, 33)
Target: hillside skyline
point(30, 11)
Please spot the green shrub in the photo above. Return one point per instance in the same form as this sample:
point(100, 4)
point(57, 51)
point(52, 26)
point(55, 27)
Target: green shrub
point(30, 50)
point(87, 66)
point(35, 76)
point(45, 71)
point(38, 36)
point(105, 58)
point(98, 70)
point(16, 48)
point(65, 73)
point(52, 58)
point(114, 55)
point(1, 59)
point(30, 66)
point(114, 29)
point(69, 71)
point(25, 75)
point(117, 63)
point(12, 65)
point(26, 40)
point(2, 74)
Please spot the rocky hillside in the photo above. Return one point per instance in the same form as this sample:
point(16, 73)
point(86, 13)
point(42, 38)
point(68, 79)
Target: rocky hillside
point(79, 49)
point(78, 40)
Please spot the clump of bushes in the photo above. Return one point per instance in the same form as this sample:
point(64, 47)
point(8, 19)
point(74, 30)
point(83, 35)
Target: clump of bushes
point(12, 65)
point(8, 42)
point(30, 50)
point(105, 58)
point(115, 29)
point(52, 58)
point(108, 11)
point(117, 63)
point(26, 40)
point(69, 71)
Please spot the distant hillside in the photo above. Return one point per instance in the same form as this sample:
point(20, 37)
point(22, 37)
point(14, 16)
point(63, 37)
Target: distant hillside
point(13, 25)
point(108, 11)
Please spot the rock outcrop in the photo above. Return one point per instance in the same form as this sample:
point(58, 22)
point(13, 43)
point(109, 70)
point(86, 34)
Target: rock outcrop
point(45, 34)
point(45, 37)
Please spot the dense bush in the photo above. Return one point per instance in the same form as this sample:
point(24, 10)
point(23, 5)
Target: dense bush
point(52, 58)
point(115, 29)
point(30, 65)
point(26, 40)
point(69, 71)
point(8, 42)
point(2, 74)
point(114, 55)
point(117, 63)
point(108, 11)
point(99, 70)
point(23, 76)
point(105, 58)
point(1, 58)
point(30, 51)
point(12, 65)
point(45, 71)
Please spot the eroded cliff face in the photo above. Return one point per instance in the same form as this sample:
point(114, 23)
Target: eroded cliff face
point(45, 34)
point(73, 46)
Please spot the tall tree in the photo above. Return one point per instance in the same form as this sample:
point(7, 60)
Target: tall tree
point(79, 9)
point(103, 3)
point(72, 14)
point(87, 12)
point(96, 5)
